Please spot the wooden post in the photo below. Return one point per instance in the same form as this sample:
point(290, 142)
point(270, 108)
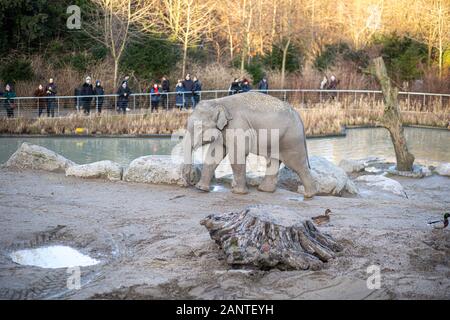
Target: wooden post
point(391, 118)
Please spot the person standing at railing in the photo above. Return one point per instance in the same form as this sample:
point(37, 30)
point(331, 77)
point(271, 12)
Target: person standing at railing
point(87, 91)
point(99, 92)
point(51, 91)
point(179, 99)
point(245, 87)
point(263, 85)
point(235, 87)
point(154, 97)
point(165, 88)
point(8, 100)
point(188, 86)
point(333, 86)
point(197, 91)
point(40, 103)
point(124, 92)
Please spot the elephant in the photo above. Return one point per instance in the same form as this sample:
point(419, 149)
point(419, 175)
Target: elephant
point(244, 123)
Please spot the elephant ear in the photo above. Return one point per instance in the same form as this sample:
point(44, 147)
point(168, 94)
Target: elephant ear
point(223, 116)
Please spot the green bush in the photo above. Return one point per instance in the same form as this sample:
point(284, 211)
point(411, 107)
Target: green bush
point(151, 59)
point(403, 56)
point(16, 70)
point(294, 58)
point(333, 52)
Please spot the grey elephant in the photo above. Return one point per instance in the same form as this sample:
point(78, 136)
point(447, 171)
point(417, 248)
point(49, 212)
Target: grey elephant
point(246, 123)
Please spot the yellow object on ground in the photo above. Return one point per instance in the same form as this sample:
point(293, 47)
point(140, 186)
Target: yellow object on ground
point(80, 130)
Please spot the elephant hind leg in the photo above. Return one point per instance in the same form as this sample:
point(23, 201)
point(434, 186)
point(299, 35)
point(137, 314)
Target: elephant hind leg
point(239, 185)
point(299, 164)
point(269, 183)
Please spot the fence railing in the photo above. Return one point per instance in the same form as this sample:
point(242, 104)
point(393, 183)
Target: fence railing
point(60, 106)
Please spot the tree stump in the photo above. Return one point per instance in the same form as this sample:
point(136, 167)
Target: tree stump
point(268, 236)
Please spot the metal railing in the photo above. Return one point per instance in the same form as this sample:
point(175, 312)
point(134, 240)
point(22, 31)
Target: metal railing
point(60, 106)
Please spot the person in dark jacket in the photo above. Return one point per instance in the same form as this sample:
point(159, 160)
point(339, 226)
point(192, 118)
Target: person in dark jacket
point(245, 87)
point(179, 99)
point(40, 103)
point(332, 85)
point(165, 88)
point(87, 91)
point(51, 91)
point(263, 85)
point(197, 90)
point(99, 92)
point(8, 101)
point(235, 87)
point(124, 92)
point(154, 96)
point(188, 86)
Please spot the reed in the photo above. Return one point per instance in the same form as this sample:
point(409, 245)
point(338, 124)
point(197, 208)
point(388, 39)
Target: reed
point(319, 119)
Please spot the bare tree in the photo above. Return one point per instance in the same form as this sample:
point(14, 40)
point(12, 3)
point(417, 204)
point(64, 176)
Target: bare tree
point(185, 21)
point(114, 23)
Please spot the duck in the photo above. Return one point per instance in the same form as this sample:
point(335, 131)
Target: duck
point(440, 224)
point(325, 218)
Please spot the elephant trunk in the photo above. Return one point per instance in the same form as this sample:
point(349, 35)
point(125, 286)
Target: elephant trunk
point(187, 173)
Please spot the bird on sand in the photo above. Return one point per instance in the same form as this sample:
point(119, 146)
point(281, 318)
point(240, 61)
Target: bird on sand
point(440, 224)
point(325, 218)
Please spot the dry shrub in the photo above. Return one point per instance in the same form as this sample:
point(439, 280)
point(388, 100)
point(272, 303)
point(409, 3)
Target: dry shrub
point(216, 76)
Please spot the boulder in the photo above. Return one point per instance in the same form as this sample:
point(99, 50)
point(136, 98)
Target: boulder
point(102, 169)
point(358, 165)
point(34, 157)
point(160, 169)
point(330, 179)
point(443, 169)
point(382, 183)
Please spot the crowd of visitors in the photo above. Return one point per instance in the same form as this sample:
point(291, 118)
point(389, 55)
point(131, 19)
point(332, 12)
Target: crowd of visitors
point(187, 94)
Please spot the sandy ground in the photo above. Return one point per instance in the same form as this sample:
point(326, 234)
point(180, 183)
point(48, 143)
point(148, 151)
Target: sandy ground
point(152, 246)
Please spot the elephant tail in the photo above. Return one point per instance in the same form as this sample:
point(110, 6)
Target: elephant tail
point(304, 141)
point(306, 149)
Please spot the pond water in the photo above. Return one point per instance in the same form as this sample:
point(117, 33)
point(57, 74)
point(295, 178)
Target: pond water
point(429, 146)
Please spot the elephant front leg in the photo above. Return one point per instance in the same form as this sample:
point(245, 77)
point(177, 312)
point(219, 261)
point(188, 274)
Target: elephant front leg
point(239, 185)
point(207, 174)
point(214, 155)
point(269, 183)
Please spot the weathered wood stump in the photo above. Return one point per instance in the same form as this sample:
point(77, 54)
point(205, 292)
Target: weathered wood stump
point(268, 236)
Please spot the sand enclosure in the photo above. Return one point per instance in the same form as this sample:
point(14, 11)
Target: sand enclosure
point(150, 244)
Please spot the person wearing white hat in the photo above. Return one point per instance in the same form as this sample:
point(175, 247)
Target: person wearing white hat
point(87, 91)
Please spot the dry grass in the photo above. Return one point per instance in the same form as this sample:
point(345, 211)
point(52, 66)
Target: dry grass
point(319, 119)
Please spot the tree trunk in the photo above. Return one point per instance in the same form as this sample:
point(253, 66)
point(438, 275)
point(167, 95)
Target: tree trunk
point(391, 119)
point(283, 62)
point(268, 236)
point(184, 60)
point(116, 71)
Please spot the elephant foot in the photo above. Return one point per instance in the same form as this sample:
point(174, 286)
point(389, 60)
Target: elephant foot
point(239, 190)
point(267, 187)
point(202, 187)
point(307, 194)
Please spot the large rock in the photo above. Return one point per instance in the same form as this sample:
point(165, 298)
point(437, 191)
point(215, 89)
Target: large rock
point(159, 169)
point(330, 179)
point(383, 184)
point(358, 165)
point(443, 169)
point(30, 156)
point(102, 169)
